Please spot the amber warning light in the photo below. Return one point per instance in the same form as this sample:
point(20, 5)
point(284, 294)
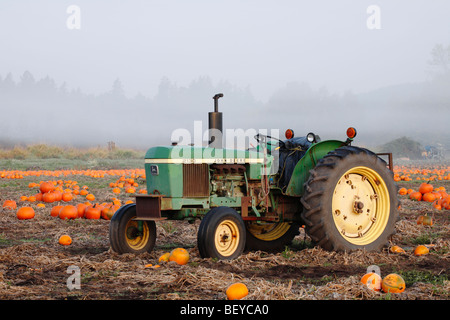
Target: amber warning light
point(289, 134)
point(351, 132)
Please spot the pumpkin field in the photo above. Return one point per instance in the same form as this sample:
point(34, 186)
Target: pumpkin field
point(39, 206)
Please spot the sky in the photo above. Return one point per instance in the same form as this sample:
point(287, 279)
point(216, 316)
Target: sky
point(259, 44)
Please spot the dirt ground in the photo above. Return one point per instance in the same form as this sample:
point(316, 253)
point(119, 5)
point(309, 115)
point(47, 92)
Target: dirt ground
point(33, 266)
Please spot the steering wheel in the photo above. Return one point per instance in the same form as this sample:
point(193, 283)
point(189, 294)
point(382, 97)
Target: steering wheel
point(258, 139)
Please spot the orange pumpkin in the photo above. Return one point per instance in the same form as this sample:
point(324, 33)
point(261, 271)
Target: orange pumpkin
point(108, 211)
point(397, 249)
point(116, 190)
point(402, 191)
point(67, 196)
point(46, 187)
point(49, 197)
point(443, 194)
point(38, 196)
point(68, 212)
point(429, 197)
point(437, 204)
point(10, 204)
point(372, 280)
point(130, 190)
point(236, 291)
point(58, 195)
point(65, 240)
point(81, 207)
point(425, 220)
point(416, 195)
point(92, 212)
point(90, 197)
point(393, 283)
point(421, 250)
point(55, 211)
point(425, 188)
point(25, 213)
point(446, 203)
point(179, 255)
point(164, 257)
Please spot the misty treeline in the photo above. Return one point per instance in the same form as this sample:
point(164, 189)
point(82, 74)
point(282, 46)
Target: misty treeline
point(42, 111)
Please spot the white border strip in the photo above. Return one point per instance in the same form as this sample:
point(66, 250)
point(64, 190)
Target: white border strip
point(207, 161)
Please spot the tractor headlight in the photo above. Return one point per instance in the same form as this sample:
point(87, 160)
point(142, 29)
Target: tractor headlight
point(311, 137)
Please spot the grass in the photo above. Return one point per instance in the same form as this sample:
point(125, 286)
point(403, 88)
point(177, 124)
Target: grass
point(76, 164)
point(169, 226)
point(46, 157)
point(287, 253)
point(426, 238)
point(4, 241)
point(413, 276)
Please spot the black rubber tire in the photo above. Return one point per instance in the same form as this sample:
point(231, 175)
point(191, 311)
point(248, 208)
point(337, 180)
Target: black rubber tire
point(319, 189)
point(207, 231)
point(117, 231)
point(276, 245)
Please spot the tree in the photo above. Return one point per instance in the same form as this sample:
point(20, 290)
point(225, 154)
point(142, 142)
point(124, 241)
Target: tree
point(440, 58)
point(117, 88)
point(403, 147)
point(8, 84)
point(27, 81)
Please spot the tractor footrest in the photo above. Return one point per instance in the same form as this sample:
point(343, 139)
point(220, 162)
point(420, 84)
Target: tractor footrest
point(150, 219)
point(253, 218)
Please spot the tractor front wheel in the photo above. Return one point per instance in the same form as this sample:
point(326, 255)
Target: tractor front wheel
point(350, 201)
point(127, 235)
point(221, 234)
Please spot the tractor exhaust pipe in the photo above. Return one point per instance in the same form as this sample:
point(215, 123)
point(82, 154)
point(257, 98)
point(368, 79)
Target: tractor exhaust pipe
point(215, 124)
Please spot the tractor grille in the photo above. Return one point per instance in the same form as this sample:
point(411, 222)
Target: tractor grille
point(195, 180)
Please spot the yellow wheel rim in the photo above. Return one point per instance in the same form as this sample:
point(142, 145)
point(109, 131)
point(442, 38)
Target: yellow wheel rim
point(361, 205)
point(135, 239)
point(268, 231)
point(226, 238)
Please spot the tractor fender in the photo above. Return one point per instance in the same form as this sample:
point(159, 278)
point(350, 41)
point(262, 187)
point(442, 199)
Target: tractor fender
point(300, 173)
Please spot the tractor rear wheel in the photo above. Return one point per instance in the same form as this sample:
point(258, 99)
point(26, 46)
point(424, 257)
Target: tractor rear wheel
point(270, 236)
point(221, 234)
point(127, 235)
point(350, 201)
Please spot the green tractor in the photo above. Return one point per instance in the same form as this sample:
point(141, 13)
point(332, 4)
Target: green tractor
point(343, 195)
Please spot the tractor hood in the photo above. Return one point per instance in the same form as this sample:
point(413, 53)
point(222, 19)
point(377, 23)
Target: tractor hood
point(169, 168)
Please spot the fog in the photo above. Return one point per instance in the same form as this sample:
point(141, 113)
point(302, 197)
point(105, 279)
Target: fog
point(85, 72)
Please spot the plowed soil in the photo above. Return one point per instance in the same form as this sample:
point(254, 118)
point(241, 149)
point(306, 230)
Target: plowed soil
point(34, 266)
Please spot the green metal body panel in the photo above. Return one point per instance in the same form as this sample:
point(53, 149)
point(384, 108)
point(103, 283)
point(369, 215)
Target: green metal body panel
point(301, 171)
point(167, 182)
